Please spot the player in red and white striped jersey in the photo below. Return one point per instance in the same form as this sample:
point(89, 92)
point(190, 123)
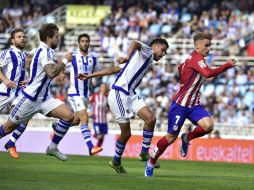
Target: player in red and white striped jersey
point(100, 108)
point(186, 103)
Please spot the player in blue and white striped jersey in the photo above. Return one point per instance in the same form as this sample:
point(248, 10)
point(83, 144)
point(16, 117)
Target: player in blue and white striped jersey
point(36, 97)
point(12, 78)
point(79, 90)
point(124, 102)
point(12, 68)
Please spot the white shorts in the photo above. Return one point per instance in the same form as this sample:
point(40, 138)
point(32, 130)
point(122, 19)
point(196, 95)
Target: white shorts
point(124, 107)
point(78, 103)
point(25, 109)
point(5, 101)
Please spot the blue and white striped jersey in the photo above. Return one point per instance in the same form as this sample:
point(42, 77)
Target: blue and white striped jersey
point(12, 63)
point(134, 70)
point(38, 86)
point(81, 64)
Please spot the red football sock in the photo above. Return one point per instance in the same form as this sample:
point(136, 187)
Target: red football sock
point(162, 144)
point(197, 132)
point(99, 143)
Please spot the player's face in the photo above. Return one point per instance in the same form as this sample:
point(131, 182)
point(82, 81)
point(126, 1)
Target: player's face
point(84, 44)
point(159, 50)
point(103, 88)
point(19, 40)
point(203, 47)
point(55, 40)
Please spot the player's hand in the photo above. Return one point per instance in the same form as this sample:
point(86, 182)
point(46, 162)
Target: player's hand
point(23, 83)
point(121, 60)
point(10, 83)
point(68, 56)
point(232, 62)
point(83, 76)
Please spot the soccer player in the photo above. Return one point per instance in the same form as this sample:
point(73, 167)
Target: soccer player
point(36, 97)
point(79, 91)
point(186, 103)
point(100, 106)
point(124, 102)
point(12, 75)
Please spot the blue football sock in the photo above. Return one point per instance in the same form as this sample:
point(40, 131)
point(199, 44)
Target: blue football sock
point(15, 135)
point(147, 138)
point(87, 136)
point(60, 130)
point(2, 133)
point(119, 151)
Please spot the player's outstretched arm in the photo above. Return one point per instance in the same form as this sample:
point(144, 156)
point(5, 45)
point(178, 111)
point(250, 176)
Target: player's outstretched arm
point(213, 72)
point(133, 46)
point(52, 70)
point(109, 71)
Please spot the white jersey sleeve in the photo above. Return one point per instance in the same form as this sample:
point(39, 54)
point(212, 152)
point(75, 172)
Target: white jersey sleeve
point(47, 57)
point(145, 50)
point(5, 58)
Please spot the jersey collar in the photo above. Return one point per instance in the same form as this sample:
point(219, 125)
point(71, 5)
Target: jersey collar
point(45, 45)
point(16, 49)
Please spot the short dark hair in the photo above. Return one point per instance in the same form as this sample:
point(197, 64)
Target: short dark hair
point(159, 41)
point(16, 31)
point(47, 30)
point(202, 36)
point(83, 35)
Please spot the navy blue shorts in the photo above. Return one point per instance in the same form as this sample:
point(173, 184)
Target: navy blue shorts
point(177, 115)
point(100, 128)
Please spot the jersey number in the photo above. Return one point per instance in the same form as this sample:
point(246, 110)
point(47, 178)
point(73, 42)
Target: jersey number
point(177, 118)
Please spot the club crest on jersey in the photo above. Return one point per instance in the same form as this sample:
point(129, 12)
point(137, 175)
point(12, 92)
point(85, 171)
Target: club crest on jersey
point(16, 117)
point(90, 61)
point(127, 111)
point(202, 63)
point(175, 127)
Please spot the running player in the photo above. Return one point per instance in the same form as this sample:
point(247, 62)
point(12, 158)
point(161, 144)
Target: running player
point(12, 75)
point(186, 103)
point(100, 107)
point(79, 91)
point(124, 102)
point(36, 97)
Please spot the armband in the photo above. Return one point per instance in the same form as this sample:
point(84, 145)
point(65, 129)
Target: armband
point(65, 61)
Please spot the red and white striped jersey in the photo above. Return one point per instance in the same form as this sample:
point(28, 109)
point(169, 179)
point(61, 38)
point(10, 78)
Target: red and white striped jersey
point(191, 74)
point(100, 103)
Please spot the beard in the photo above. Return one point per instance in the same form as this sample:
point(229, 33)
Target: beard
point(84, 49)
point(20, 45)
point(54, 46)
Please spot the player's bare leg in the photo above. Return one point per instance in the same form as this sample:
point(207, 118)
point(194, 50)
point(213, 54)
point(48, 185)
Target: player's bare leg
point(100, 139)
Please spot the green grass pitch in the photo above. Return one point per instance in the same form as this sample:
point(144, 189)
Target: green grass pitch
point(40, 172)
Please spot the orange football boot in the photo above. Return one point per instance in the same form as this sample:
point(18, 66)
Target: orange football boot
point(51, 135)
point(13, 153)
point(95, 150)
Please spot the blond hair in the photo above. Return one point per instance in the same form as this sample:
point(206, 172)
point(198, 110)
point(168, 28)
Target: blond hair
point(202, 36)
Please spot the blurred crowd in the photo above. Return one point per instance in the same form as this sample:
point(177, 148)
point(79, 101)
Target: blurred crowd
point(147, 19)
point(22, 13)
point(230, 97)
